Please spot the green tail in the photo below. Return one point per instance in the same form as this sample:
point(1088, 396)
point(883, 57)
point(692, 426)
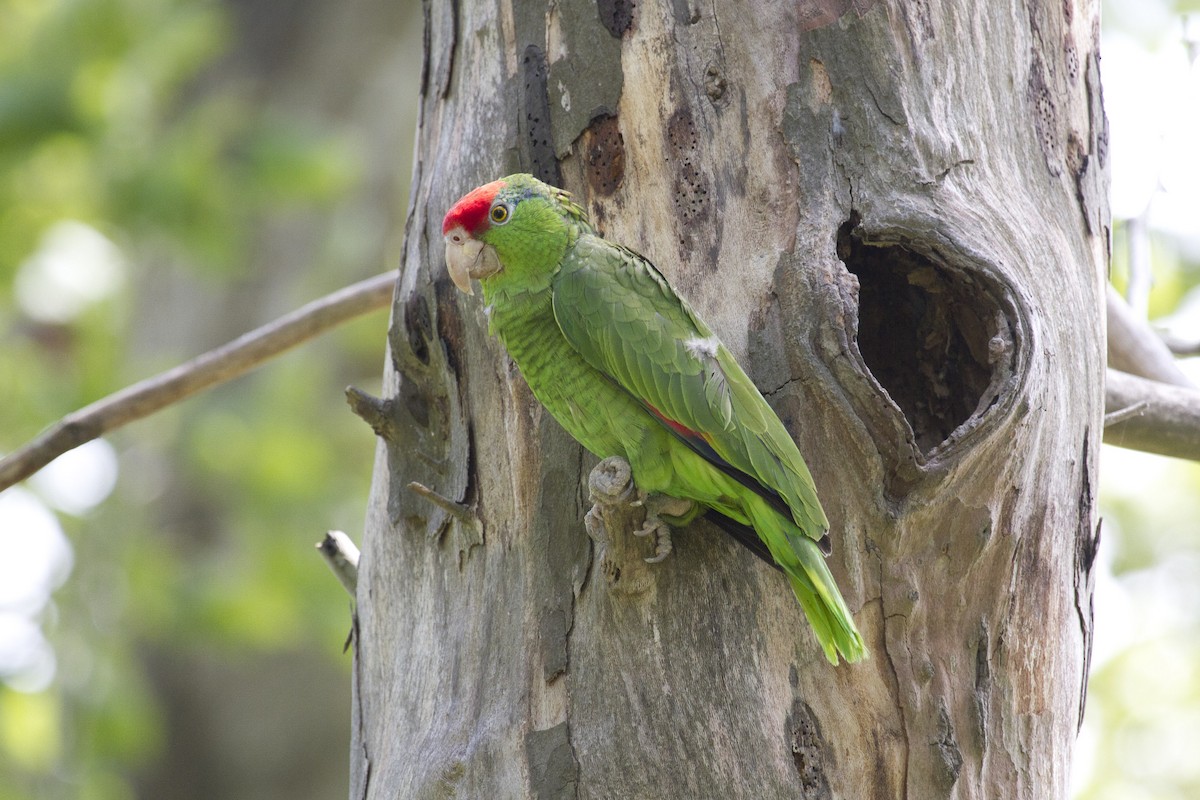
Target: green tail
point(823, 604)
point(813, 584)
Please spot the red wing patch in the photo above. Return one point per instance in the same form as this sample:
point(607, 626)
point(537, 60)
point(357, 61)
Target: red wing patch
point(682, 430)
point(702, 444)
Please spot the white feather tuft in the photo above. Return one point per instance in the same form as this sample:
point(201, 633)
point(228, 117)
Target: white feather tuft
point(700, 348)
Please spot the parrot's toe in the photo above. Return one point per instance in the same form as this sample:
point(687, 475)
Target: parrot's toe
point(662, 545)
point(658, 506)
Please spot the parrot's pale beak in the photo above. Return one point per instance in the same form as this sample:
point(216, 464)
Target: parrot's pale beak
point(468, 258)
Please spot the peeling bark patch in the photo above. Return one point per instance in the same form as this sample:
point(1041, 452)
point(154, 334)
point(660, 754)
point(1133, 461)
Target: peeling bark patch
point(604, 155)
point(950, 757)
point(693, 199)
point(983, 685)
point(1045, 115)
point(586, 78)
point(691, 187)
point(554, 643)
point(538, 143)
point(553, 770)
point(935, 340)
point(1091, 174)
point(685, 12)
point(1087, 544)
point(616, 15)
point(808, 751)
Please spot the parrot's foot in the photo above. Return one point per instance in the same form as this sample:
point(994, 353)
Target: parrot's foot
point(657, 506)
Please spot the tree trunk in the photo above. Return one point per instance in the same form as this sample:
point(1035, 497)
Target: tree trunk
point(894, 215)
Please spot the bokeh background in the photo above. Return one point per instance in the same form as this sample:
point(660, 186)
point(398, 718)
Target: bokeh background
point(176, 172)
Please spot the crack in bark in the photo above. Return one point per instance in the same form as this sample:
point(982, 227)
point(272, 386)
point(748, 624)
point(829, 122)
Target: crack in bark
point(893, 672)
point(358, 701)
point(941, 176)
point(717, 27)
point(445, 88)
point(780, 387)
point(879, 108)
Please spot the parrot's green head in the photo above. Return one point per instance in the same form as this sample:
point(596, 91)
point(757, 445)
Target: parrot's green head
point(512, 232)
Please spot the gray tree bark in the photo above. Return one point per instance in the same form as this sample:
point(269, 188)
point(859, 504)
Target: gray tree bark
point(894, 214)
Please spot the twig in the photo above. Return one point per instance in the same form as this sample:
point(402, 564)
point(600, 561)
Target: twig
point(468, 532)
point(1167, 421)
point(214, 367)
point(1121, 414)
point(342, 557)
point(374, 411)
point(457, 510)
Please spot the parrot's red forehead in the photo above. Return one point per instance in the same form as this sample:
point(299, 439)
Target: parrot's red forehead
point(471, 211)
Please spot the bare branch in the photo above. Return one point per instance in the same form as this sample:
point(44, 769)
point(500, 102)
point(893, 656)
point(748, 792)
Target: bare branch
point(210, 369)
point(342, 557)
point(374, 411)
point(1151, 416)
point(1181, 347)
point(1134, 347)
point(1121, 414)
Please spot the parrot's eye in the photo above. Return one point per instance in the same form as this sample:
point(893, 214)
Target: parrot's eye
point(499, 214)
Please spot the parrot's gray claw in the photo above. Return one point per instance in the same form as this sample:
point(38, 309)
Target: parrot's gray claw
point(657, 505)
point(662, 537)
point(662, 546)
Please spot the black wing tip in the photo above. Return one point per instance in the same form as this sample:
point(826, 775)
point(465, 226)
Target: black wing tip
point(744, 535)
point(825, 544)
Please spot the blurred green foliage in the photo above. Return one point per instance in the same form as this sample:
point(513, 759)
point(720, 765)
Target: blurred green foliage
point(132, 117)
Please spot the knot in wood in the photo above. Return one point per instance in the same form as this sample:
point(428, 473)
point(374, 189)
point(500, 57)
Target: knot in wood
point(611, 482)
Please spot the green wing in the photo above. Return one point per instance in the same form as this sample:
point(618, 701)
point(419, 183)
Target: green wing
point(625, 320)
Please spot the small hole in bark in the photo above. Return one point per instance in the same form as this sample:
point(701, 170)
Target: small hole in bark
point(604, 154)
point(690, 185)
point(932, 335)
point(808, 751)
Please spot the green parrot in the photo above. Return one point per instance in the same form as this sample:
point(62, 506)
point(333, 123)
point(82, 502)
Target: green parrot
point(626, 366)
